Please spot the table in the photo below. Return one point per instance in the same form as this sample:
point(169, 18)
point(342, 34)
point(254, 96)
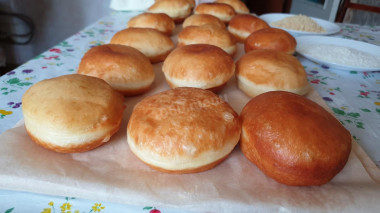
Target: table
point(353, 96)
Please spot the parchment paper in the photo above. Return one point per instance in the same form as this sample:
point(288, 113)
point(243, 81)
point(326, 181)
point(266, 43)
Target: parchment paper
point(112, 173)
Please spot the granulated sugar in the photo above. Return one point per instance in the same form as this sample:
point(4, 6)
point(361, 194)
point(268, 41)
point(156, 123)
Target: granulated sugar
point(300, 23)
point(341, 55)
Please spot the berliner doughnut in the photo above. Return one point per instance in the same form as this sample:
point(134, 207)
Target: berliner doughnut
point(126, 69)
point(202, 19)
point(178, 10)
point(198, 65)
point(192, 2)
point(293, 140)
point(152, 43)
point(242, 25)
point(72, 113)
point(183, 130)
point(220, 10)
point(208, 34)
point(238, 5)
point(158, 21)
point(271, 38)
point(261, 71)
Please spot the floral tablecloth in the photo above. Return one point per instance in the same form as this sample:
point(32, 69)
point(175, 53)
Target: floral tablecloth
point(353, 96)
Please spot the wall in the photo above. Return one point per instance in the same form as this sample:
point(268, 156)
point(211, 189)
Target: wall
point(54, 20)
point(328, 12)
point(325, 11)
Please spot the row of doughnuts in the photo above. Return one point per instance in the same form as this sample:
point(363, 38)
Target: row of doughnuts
point(178, 10)
point(186, 66)
point(185, 130)
point(188, 129)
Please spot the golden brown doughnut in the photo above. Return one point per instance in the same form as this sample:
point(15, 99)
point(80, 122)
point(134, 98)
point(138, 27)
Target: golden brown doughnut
point(126, 69)
point(238, 5)
point(271, 38)
point(192, 2)
point(183, 130)
point(242, 25)
point(261, 71)
point(190, 66)
point(178, 10)
point(222, 11)
point(152, 43)
point(293, 140)
point(202, 19)
point(158, 21)
point(208, 34)
point(72, 113)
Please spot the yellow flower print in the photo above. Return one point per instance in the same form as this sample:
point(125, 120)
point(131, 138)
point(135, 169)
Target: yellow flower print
point(46, 210)
point(96, 42)
point(377, 103)
point(97, 207)
point(4, 112)
point(66, 206)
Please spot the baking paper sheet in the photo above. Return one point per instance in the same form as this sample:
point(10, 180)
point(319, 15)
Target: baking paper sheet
point(112, 173)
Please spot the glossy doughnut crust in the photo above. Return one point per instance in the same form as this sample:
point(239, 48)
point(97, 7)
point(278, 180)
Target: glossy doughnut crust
point(293, 140)
point(183, 130)
point(72, 113)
